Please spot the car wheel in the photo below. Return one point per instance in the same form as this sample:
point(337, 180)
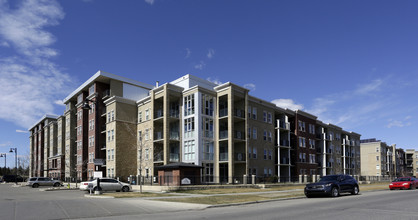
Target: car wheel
point(335, 192)
point(97, 189)
point(57, 184)
point(125, 189)
point(355, 190)
point(35, 185)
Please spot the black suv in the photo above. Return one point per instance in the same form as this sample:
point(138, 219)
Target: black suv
point(11, 178)
point(332, 185)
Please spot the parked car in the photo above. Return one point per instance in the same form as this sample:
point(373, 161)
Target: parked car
point(12, 178)
point(404, 183)
point(333, 185)
point(35, 182)
point(106, 184)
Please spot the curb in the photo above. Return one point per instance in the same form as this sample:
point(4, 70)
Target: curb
point(99, 197)
point(255, 202)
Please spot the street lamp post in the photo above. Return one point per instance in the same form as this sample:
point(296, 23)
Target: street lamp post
point(4, 155)
point(86, 106)
point(11, 151)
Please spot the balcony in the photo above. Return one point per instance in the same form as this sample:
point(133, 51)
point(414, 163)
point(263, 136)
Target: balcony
point(158, 136)
point(285, 161)
point(284, 143)
point(240, 157)
point(283, 125)
point(174, 157)
point(239, 113)
point(223, 157)
point(174, 114)
point(174, 135)
point(223, 112)
point(207, 156)
point(239, 135)
point(223, 134)
point(208, 134)
point(158, 157)
point(158, 114)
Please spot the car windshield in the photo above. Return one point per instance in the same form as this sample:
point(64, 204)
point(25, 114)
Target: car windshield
point(401, 179)
point(328, 178)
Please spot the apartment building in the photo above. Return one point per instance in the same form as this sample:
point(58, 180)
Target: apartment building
point(39, 142)
point(400, 161)
point(411, 160)
point(377, 158)
point(117, 127)
point(86, 113)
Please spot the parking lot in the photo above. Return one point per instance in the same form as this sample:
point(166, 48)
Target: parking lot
point(29, 203)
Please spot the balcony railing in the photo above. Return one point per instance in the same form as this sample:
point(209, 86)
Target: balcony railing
point(223, 134)
point(158, 114)
point(207, 156)
point(158, 157)
point(158, 136)
point(284, 143)
point(239, 135)
point(223, 112)
point(284, 161)
point(240, 156)
point(223, 157)
point(174, 113)
point(239, 113)
point(174, 135)
point(174, 157)
point(208, 134)
point(283, 124)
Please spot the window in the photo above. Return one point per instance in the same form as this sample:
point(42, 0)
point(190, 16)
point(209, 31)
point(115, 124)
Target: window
point(377, 158)
point(189, 127)
point(265, 135)
point(377, 167)
point(112, 153)
point(304, 157)
point(108, 154)
point(108, 117)
point(249, 111)
point(140, 117)
point(113, 115)
point(249, 152)
point(249, 132)
point(269, 118)
point(189, 150)
point(270, 138)
point(264, 116)
point(207, 127)
point(270, 154)
point(91, 90)
point(147, 115)
point(302, 142)
point(255, 113)
point(139, 136)
point(146, 154)
point(377, 149)
point(312, 143)
point(301, 125)
point(113, 134)
point(265, 154)
point(108, 136)
point(189, 105)
point(254, 153)
point(207, 105)
point(311, 129)
point(146, 134)
point(254, 133)
point(312, 158)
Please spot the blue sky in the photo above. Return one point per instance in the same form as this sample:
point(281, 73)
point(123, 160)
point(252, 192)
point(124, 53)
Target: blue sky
point(351, 63)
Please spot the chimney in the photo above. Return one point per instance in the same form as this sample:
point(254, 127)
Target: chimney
point(157, 84)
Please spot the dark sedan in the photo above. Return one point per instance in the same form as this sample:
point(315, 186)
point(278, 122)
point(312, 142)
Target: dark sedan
point(333, 185)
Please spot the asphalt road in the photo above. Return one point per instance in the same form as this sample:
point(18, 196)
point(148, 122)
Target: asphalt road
point(27, 203)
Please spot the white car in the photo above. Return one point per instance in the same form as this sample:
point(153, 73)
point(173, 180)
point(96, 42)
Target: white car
point(106, 184)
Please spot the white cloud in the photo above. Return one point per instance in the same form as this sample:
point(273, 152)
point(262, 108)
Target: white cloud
point(151, 2)
point(29, 80)
point(370, 87)
point(59, 102)
point(188, 53)
point(399, 123)
point(211, 53)
point(4, 44)
point(200, 65)
point(287, 103)
point(216, 81)
point(250, 86)
point(21, 131)
point(24, 27)
point(6, 144)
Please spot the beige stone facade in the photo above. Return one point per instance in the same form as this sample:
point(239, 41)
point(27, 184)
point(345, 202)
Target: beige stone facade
point(377, 158)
